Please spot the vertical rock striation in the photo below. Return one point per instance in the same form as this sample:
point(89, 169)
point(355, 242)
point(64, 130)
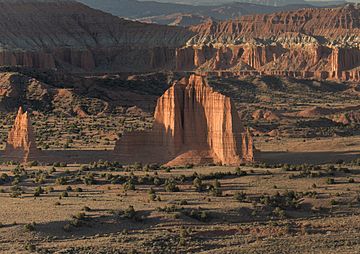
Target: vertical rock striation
point(21, 143)
point(193, 124)
point(307, 43)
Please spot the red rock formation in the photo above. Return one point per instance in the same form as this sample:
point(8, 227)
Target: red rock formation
point(329, 23)
point(21, 143)
point(312, 61)
point(69, 35)
point(308, 43)
point(344, 59)
point(266, 115)
point(315, 112)
point(348, 118)
point(193, 123)
point(248, 146)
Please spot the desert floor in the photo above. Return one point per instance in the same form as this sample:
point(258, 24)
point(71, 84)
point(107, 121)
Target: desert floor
point(212, 209)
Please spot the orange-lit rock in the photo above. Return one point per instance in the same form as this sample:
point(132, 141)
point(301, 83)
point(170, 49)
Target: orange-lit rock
point(266, 115)
point(193, 124)
point(308, 43)
point(21, 144)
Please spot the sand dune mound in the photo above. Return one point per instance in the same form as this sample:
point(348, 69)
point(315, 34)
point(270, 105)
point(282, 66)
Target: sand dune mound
point(315, 112)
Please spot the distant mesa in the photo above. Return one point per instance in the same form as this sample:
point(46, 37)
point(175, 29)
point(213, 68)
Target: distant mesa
point(307, 43)
point(311, 43)
point(193, 125)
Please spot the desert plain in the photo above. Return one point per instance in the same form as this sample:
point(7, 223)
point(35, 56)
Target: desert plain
point(230, 128)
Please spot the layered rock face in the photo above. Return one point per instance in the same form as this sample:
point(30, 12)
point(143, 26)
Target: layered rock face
point(68, 35)
point(331, 23)
point(308, 43)
point(193, 124)
point(21, 143)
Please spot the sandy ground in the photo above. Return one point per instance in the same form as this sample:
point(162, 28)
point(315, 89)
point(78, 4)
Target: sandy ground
point(325, 222)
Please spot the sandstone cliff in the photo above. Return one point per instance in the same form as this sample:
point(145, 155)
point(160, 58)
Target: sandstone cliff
point(308, 43)
point(21, 143)
point(331, 23)
point(193, 124)
point(68, 35)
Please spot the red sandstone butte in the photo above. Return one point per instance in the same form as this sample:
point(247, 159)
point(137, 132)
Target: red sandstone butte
point(21, 143)
point(193, 124)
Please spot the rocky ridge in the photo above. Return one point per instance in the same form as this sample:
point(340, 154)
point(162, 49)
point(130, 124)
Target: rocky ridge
point(308, 43)
point(318, 43)
point(68, 35)
point(168, 13)
point(72, 95)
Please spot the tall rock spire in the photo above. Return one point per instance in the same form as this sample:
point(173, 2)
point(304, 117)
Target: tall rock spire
point(21, 143)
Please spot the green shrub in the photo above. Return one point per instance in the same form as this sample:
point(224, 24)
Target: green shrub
point(86, 209)
point(38, 191)
point(30, 226)
point(240, 196)
point(129, 185)
point(170, 186)
point(199, 186)
point(64, 194)
point(278, 212)
point(330, 181)
point(240, 172)
point(130, 213)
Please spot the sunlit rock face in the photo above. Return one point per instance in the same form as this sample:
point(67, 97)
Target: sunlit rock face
point(307, 43)
point(193, 124)
point(21, 144)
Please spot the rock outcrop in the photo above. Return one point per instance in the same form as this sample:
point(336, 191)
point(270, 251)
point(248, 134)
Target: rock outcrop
point(266, 115)
point(348, 118)
point(21, 143)
point(68, 35)
point(329, 23)
point(193, 124)
point(308, 43)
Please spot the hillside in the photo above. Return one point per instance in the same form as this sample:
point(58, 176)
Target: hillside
point(320, 43)
point(331, 23)
point(69, 35)
point(168, 13)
